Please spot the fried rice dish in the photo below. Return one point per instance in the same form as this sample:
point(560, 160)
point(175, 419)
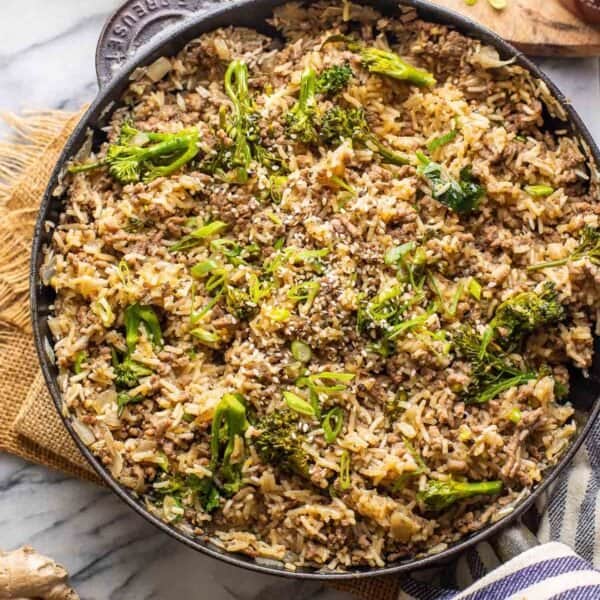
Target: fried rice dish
point(319, 296)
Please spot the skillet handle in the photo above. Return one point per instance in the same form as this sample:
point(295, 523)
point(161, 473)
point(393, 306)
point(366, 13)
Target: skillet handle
point(514, 540)
point(134, 24)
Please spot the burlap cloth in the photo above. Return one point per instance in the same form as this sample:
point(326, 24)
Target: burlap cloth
point(29, 424)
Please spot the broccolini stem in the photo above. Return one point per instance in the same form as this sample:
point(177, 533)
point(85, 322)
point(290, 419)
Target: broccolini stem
point(308, 89)
point(391, 65)
point(547, 265)
point(236, 87)
point(185, 144)
point(74, 169)
point(388, 156)
point(440, 495)
point(496, 389)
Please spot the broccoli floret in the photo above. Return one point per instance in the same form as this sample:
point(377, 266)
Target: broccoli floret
point(491, 372)
point(202, 489)
point(153, 155)
point(301, 119)
point(129, 372)
point(460, 196)
point(522, 314)
point(205, 491)
point(589, 247)
point(333, 80)
point(280, 442)
point(340, 123)
point(229, 422)
point(439, 495)
point(124, 398)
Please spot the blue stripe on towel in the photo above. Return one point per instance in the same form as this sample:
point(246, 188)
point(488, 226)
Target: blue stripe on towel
point(586, 524)
point(586, 592)
point(526, 577)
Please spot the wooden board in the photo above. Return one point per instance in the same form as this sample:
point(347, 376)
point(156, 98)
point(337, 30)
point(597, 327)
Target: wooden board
point(539, 27)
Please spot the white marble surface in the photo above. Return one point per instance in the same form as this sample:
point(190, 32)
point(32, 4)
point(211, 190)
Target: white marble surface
point(46, 60)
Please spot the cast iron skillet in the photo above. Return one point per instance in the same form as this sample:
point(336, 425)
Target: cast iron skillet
point(133, 26)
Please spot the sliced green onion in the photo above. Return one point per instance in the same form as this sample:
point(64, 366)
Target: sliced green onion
point(344, 477)
point(332, 424)
point(195, 238)
point(315, 402)
point(298, 404)
point(394, 255)
point(274, 218)
point(205, 336)
point(101, 308)
point(442, 140)
point(309, 257)
point(296, 256)
point(80, 358)
point(305, 292)
point(301, 351)
point(279, 315)
point(539, 191)
point(434, 285)
point(258, 290)
point(314, 381)
point(474, 288)
point(409, 324)
point(343, 184)
point(514, 415)
point(209, 229)
point(203, 268)
point(277, 185)
point(124, 272)
point(197, 316)
point(458, 293)
point(216, 281)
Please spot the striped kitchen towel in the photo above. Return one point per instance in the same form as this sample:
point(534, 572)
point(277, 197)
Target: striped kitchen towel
point(562, 568)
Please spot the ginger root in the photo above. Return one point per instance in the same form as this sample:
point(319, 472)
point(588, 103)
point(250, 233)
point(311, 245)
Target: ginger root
point(24, 573)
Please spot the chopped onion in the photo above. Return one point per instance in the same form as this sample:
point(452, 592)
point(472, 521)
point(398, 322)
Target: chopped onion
point(48, 271)
point(159, 68)
point(104, 400)
point(172, 510)
point(86, 435)
point(488, 58)
point(117, 464)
